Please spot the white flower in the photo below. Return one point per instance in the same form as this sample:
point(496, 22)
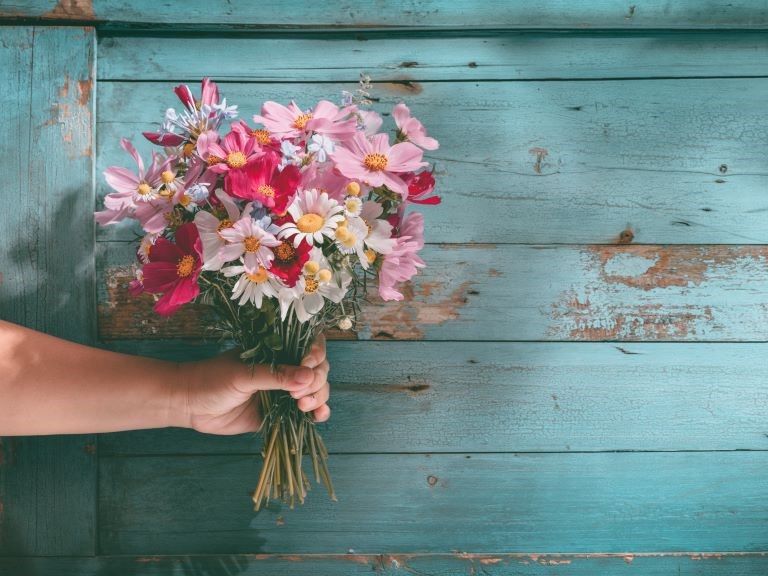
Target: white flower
point(350, 237)
point(249, 240)
point(252, 287)
point(315, 217)
point(345, 323)
point(352, 206)
point(321, 146)
point(290, 154)
point(379, 232)
point(145, 246)
point(317, 283)
point(210, 227)
point(224, 110)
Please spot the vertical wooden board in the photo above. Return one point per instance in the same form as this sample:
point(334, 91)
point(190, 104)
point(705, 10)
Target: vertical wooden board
point(47, 485)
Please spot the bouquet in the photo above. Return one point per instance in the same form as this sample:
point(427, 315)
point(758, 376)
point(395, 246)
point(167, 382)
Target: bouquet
point(284, 228)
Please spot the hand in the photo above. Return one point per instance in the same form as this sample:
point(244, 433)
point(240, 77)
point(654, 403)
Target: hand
point(219, 395)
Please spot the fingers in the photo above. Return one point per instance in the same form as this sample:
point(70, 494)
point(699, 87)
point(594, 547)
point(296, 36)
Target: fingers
point(319, 380)
point(316, 354)
point(322, 413)
point(288, 378)
point(315, 399)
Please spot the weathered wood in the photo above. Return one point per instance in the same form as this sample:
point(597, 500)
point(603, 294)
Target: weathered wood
point(220, 15)
point(465, 56)
point(521, 397)
point(47, 485)
point(550, 503)
point(650, 161)
point(446, 564)
point(516, 292)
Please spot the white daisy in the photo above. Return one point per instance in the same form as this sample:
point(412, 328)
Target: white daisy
point(249, 240)
point(315, 216)
point(352, 206)
point(252, 287)
point(379, 232)
point(210, 228)
point(317, 283)
point(350, 238)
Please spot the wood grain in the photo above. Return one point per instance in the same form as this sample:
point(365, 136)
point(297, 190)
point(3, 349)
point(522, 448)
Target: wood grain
point(398, 564)
point(47, 485)
point(219, 15)
point(648, 161)
point(518, 397)
point(486, 503)
point(516, 292)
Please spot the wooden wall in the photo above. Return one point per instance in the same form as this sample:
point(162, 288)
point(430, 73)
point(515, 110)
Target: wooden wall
point(581, 384)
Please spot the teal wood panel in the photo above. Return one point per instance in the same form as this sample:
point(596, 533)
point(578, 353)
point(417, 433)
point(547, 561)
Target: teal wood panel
point(518, 397)
point(219, 14)
point(662, 161)
point(47, 485)
point(465, 56)
point(483, 503)
point(447, 564)
point(497, 292)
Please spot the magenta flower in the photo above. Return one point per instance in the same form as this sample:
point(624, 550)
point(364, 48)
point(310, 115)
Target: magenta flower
point(376, 163)
point(292, 122)
point(402, 263)
point(231, 157)
point(173, 270)
point(411, 129)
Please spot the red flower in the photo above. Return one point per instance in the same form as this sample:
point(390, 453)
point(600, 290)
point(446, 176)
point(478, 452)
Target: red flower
point(270, 186)
point(231, 157)
point(173, 269)
point(419, 185)
point(289, 261)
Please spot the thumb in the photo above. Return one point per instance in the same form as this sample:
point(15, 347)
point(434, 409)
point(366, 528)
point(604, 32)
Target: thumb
point(285, 377)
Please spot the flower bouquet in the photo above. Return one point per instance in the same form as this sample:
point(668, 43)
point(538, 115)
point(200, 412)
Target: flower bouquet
point(282, 228)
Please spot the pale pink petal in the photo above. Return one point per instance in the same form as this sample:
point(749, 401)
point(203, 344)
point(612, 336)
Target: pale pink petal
point(405, 157)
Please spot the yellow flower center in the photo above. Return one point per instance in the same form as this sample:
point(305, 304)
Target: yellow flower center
point(144, 189)
point(236, 159)
point(213, 160)
point(349, 240)
point(324, 275)
point(342, 234)
point(185, 266)
point(371, 255)
point(261, 135)
point(375, 162)
point(310, 285)
point(285, 253)
point(267, 190)
point(167, 177)
point(301, 121)
point(351, 204)
point(311, 268)
point(310, 223)
point(224, 224)
point(189, 147)
point(259, 276)
point(251, 244)
point(353, 189)
point(185, 200)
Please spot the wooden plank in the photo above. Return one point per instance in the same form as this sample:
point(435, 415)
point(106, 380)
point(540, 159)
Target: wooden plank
point(550, 503)
point(654, 161)
point(217, 14)
point(520, 292)
point(47, 485)
point(521, 397)
point(448, 564)
point(464, 56)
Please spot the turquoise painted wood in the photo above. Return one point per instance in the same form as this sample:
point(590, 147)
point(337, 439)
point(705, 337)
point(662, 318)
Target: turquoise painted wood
point(579, 384)
point(446, 564)
point(47, 485)
point(501, 292)
point(399, 56)
point(670, 161)
point(491, 503)
point(450, 14)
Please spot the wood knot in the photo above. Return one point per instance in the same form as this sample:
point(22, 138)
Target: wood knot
point(626, 236)
point(432, 480)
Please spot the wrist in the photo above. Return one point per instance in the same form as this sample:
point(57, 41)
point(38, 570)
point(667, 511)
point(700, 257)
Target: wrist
point(178, 412)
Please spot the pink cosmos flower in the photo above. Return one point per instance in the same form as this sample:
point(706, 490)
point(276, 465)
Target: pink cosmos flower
point(323, 178)
point(292, 122)
point(376, 163)
point(131, 189)
point(272, 187)
point(173, 270)
point(232, 157)
point(402, 263)
point(249, 240)
point(411, 129)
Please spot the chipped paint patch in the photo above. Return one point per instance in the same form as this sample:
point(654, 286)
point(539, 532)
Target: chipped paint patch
point(540, 154)
point(71, 10)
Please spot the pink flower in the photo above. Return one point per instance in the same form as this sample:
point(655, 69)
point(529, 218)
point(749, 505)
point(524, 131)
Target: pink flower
point(153, 215)
point(250, 241)
point(273, 188)
point(402, 263)
point(323, 178)
point(292, 122)
point(173, 270)
point(377, 163)
point(411, 129)
point(232, 157)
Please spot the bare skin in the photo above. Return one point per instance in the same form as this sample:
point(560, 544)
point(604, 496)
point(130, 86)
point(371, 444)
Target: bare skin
point(53, 386)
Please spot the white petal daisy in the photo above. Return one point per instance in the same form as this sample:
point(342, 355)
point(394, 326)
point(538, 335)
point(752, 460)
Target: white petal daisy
point(317, 283)
point(315, 216)
point(252, 287)
point(249, 240)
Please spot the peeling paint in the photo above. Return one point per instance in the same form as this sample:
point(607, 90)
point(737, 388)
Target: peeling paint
point(84, 91)
point(540, 154)
point(71, 10)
